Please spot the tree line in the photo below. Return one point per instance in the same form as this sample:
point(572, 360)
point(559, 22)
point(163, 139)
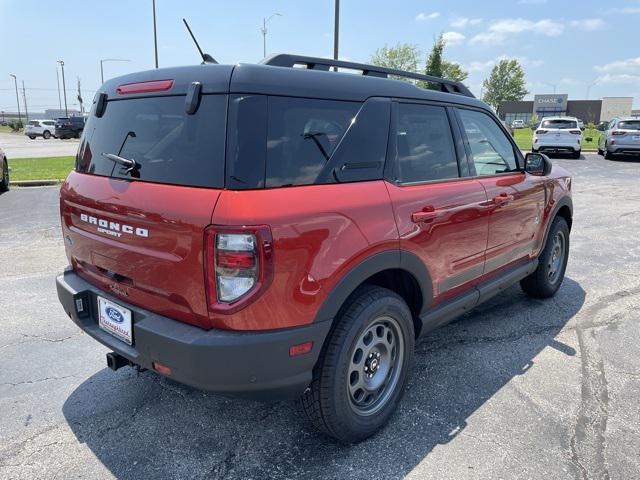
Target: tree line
point(505, 83)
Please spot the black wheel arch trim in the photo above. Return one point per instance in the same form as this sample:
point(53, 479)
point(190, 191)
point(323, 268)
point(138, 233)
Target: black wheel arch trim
point(376, 263)
point(563, 202)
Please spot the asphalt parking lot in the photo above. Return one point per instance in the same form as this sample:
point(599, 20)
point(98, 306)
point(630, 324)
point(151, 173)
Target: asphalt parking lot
point(518, 389)
point(20, 146)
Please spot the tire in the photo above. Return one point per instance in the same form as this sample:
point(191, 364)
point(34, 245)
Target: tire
point(46, 135)
point(547, 278)
point(533, 150)
point(342, 400)
point(4, 176)
point(600, 152)
point(607, 154)
point(577, 154)
point(32, 137)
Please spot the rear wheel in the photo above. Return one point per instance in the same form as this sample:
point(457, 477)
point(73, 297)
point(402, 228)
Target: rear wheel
point(547, 278)
point(32, 137)
point(607, 154)
point(46, 134)
point(4, 177)
point(362, 370)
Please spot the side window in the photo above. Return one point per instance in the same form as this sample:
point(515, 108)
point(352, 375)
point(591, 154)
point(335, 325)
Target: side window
point(491, 150)
point(425, 148)
point(301, 136)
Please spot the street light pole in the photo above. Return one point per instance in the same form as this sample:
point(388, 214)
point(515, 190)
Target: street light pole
point(64, 89)
point(155, 33)
point(336, 29)
point(24, 97)
point(589, 87)
point(109, 60)
point(59, 97)
point(264, 32)
point(15, 81)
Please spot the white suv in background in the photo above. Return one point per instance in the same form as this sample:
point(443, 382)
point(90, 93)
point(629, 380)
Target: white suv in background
point(558, 135)
point(40, 128)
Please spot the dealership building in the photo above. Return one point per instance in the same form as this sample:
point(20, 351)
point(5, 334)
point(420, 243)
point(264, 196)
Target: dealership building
point(554, 105)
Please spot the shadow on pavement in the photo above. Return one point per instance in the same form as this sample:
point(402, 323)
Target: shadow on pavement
point(144, 426)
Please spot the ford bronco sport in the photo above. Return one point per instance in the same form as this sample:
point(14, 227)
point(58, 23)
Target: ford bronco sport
point(271, 231)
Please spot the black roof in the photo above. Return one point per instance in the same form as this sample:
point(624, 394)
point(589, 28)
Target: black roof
point(288, 81)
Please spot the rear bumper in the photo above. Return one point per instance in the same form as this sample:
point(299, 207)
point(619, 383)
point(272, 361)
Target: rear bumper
point(557, 147)
point(66, 132)
point(253, 364)
point(633, 149)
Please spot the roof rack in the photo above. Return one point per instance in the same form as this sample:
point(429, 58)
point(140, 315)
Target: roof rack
point(316, 63)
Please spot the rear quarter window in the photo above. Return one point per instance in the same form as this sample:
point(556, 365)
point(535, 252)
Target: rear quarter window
point(169, 145)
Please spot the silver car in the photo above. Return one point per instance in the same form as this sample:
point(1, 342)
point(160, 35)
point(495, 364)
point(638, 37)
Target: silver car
point(621, 136)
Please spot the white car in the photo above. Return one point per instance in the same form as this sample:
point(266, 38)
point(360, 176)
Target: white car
point(40, 128)
point(517, 124)
point(558, 135)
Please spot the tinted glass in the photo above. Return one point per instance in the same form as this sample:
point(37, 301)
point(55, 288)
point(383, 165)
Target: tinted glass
point(425, 149)
point(169, 145)
point(302, 134)
point(629, 125)
point(491, 149)
point(246, 141)
point(559, 124)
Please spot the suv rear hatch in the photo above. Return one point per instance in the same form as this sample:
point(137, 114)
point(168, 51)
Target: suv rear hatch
point(138, 233)
point(560, 131)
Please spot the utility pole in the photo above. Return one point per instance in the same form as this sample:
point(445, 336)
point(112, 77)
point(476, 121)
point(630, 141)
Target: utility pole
point(336, 30)
point(59, 97)
point(264, 32)
point(80, 98)
point(155, 33)
point(15, 81)
point(64, 89)
point(24, 97)
point(589, 87)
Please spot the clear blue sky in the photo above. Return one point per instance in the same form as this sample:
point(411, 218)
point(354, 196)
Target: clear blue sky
point(569, 43)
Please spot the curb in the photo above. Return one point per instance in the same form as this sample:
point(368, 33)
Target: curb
point(35, 183)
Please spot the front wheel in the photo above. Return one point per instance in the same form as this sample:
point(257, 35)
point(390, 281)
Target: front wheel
point(46, 135)
point(552, 263)
point(363, 368)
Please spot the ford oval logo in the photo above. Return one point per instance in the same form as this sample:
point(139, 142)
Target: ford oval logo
point(114, 315)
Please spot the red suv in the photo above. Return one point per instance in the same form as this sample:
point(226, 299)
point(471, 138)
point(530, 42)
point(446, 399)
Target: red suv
point(272, 231)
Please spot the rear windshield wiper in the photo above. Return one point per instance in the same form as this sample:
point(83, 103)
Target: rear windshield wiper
point(129, 163)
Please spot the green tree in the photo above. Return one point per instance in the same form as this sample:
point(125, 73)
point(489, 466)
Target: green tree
point(506, 83)
point(403, 56)
point(453, 71)
point(437, 66)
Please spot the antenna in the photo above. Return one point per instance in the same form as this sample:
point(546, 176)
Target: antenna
point(206, 58)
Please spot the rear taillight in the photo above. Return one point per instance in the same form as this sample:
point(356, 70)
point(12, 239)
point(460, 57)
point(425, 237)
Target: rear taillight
point(618, 132)
point(540, 132)
point(576, 132)
point(239, 265)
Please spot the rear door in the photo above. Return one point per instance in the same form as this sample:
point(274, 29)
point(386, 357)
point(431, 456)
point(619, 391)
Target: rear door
point(138, 233)
point(440, 212)
point(516, 198)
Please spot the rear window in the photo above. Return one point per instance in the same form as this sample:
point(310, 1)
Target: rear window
point(629, 125)
point(559, 124)
point(169, 145)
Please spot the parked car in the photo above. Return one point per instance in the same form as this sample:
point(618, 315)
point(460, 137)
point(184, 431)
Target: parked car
point(69, 127)
point(507, 127)
point(4, 172)
point(518, 124)
point(40, 128)
point(271, 231)
point(581, 125)
point(558, 135)
point(622, 136)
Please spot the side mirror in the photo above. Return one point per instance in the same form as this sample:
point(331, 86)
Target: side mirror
point(537, 164)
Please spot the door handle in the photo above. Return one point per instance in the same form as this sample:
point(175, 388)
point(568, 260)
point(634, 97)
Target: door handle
point(503, 199)
point(424, 215)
